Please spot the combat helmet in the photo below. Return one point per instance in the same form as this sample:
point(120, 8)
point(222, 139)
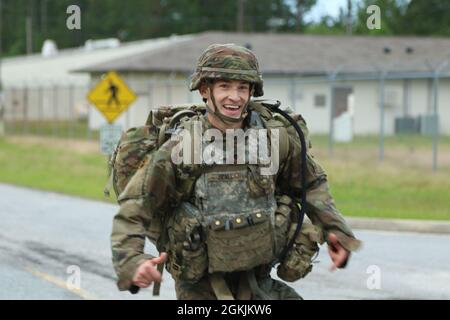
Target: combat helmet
point(228, 62)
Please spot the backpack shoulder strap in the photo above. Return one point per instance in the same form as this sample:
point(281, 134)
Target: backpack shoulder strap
point(283, 139)
point(272, 120)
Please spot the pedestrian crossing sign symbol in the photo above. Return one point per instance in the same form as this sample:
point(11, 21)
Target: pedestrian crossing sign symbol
point(111, 96)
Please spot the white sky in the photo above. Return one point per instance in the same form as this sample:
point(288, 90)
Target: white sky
point(324, 7)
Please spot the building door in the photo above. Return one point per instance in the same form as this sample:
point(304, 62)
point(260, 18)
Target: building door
point(343, 114)
point(341, 104)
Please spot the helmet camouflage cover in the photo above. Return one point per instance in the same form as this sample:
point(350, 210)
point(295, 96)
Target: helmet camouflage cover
point(228, 61)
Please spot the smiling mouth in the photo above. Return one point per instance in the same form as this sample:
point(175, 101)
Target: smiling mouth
point(232, 108)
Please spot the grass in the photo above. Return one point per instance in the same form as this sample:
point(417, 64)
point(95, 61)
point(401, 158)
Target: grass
point(62, 129)
point(53, 167)
point(386, 191)
point(403, 186)
point(372, 141)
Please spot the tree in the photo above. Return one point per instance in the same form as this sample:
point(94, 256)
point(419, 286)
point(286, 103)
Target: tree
point(430, 17)
point(302, 7)
point(392, 16)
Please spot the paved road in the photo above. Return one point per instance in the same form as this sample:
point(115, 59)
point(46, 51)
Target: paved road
point(43, 234)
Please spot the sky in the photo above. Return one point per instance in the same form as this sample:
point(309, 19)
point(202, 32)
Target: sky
point(324, 7)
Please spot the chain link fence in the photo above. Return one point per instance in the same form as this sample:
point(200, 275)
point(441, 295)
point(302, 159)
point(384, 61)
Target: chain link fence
point(62, 110)
point(57, 111)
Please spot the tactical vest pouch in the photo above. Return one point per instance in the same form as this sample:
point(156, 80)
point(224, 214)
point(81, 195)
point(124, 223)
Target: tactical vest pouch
point(187, 258)
point(298, 261)
point(239, 243)
point(259, 185)
point(282, 222)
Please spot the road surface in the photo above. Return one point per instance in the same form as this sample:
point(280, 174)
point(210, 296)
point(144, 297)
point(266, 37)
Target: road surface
point(54, 246)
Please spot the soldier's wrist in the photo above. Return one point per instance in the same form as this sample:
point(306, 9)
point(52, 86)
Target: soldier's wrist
point(125, 281)
point(349, 243)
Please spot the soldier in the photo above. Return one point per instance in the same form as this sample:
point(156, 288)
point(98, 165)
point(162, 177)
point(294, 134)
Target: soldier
point(220, 228)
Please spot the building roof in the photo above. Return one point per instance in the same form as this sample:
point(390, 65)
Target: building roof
point(36, 69)
point(296, 54)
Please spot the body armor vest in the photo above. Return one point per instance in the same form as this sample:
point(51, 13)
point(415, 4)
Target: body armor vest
point(237, 207)
point(231, 218)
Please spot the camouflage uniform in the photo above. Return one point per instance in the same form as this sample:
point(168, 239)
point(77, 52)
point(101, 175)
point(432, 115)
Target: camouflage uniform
point(154, 193)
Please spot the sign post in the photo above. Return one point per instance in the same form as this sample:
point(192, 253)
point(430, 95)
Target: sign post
point(111, 96)
point(109, 137)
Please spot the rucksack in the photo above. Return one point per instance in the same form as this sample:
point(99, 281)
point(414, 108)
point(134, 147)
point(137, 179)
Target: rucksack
point(137, 142)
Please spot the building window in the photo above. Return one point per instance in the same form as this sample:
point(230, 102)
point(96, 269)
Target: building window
point(319, 100)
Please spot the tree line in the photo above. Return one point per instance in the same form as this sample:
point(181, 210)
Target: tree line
point(25, 24)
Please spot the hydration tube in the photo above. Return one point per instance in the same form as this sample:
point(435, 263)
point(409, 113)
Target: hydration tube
point(301, 213)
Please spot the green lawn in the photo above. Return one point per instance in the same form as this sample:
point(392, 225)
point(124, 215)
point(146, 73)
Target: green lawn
point(47, 167)
point(402, 141)
point(383, 191)
point(403, 186)
point(62, 129)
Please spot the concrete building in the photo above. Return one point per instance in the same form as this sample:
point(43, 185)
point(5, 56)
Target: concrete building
point(42, 87)
point(304, 72)
point(298, 69)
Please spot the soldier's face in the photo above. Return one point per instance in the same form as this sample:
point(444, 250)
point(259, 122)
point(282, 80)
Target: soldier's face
point(230, 96)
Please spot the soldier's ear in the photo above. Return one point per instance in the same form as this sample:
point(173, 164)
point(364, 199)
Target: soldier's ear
point(203, 89)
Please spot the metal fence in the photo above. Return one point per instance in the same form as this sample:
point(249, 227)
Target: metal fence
point(62, 110)
point(58, 111)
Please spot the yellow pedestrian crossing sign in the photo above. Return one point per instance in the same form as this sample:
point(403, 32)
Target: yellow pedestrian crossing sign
point(111, 96)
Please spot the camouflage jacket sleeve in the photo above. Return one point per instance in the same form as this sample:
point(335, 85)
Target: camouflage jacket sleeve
point(143, 205)
point(320, 206)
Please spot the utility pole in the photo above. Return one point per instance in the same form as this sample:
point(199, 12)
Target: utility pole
point(240, 16)
point(349, 18)
point(44, 18)
point(29, 28)
point(299, 15)
point(29, 36)
point(2, 110)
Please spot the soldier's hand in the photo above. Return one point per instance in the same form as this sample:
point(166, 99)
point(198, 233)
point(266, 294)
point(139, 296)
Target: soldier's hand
point(338, 254)
point(146, 273)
